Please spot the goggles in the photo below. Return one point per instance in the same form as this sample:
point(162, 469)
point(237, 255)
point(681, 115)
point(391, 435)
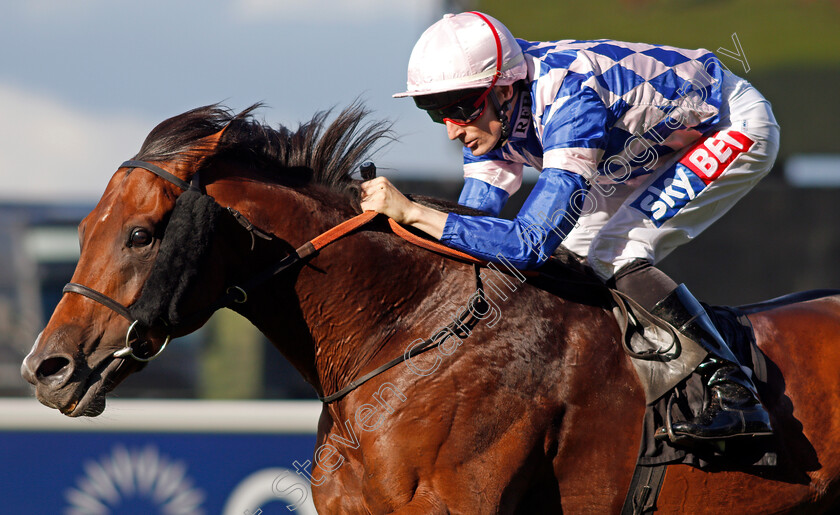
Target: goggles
point(463, 110)
point(466, 107)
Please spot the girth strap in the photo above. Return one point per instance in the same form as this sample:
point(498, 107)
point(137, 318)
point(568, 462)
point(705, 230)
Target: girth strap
point(644, 489)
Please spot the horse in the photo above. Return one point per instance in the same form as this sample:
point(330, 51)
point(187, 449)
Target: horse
point(447, 388)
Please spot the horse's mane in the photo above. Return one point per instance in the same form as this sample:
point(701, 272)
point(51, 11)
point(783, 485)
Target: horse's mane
point(317, 152)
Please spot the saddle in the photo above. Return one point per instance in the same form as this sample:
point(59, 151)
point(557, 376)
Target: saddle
point(644, 337)
point(688, 397)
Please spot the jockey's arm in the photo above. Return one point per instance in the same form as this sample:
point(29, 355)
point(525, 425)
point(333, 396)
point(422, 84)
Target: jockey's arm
point(547, 216)
point(480, 195)
point(527, 241)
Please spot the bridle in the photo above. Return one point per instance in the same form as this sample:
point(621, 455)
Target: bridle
point(238, 294)
point(233, 294)
point(128, 350)
point(134, 324)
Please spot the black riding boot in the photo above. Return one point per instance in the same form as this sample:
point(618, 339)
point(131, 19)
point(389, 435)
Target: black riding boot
point(734, 408)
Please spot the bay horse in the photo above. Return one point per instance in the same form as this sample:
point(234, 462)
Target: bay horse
point(526, 405)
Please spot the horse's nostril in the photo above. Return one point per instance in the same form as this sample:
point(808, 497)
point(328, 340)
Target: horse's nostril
point(51, 367)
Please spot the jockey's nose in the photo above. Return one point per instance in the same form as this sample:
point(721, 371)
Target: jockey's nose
point(453, 130)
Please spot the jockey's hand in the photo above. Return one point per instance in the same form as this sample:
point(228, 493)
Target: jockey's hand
point(383, 197)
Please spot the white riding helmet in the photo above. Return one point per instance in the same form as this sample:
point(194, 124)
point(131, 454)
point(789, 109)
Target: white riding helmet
point(464, 51)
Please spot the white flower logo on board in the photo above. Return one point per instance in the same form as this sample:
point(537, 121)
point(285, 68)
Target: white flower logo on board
point(134, 481)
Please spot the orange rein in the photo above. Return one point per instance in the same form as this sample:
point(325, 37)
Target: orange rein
point(344, 228)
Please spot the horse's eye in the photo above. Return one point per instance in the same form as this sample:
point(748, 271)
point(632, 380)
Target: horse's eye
point(139, 238)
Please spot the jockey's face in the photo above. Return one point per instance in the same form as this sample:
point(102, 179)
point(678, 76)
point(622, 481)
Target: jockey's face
point(481, 135)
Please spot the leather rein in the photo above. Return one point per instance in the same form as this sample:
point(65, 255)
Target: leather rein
point(238, 294)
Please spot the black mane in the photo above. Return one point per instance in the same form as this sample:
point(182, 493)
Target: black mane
point(314, 153)
point(318, 152)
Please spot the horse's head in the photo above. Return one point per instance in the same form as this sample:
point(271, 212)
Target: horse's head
point(153, 263)
point(103, 329)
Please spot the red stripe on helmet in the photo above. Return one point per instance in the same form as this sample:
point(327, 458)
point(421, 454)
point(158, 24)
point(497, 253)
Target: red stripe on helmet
point(498, 57)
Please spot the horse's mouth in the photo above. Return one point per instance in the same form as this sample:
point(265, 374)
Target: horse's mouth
point(89, 400)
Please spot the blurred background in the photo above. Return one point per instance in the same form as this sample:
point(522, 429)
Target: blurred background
point(82, 83)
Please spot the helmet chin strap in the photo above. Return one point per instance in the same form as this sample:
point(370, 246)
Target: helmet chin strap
point(501, 111)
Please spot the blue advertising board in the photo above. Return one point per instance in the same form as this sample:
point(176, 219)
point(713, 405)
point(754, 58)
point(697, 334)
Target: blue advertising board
point(157, 457)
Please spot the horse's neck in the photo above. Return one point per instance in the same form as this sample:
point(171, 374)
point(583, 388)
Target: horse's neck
point(370, 302)
point(355, 305)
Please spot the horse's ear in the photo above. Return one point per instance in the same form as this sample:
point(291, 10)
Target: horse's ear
point(188, 163)
point(206, 147)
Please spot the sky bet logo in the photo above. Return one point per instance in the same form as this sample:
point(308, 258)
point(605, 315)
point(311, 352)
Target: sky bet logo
point(683, 181)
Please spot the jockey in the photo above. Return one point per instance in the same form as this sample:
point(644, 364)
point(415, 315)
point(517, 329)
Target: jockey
point(639, 147)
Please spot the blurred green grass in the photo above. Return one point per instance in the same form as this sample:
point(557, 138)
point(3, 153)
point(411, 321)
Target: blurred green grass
point(773, 33)
point(792, 47)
